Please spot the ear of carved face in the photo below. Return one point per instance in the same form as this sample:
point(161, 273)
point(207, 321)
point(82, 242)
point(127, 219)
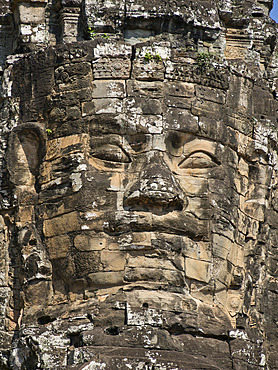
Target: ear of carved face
point(26, 148)
point(30, 144)
point(25, 152)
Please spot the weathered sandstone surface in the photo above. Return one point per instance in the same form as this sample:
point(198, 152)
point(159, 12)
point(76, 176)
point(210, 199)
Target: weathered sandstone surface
point(139, 177)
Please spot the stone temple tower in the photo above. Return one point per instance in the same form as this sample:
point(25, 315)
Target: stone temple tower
point(139, 176)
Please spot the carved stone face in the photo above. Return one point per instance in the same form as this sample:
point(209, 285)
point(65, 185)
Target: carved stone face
point(139, 191)
point(147, 182)
point(150, 195)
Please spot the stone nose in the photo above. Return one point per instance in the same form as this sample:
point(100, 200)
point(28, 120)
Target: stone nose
point(155, 189)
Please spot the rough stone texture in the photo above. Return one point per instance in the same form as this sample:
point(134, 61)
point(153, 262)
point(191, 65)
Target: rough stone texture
point(139, 185)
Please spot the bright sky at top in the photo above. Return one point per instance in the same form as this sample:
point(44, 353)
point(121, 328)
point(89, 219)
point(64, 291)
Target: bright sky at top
point(274, 11)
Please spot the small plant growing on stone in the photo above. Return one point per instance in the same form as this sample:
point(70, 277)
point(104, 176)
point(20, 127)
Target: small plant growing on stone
point(92, 33)
point(204, 59)
point(149, 56)
point(157, 57)
point(105, 36)
point(48, 131)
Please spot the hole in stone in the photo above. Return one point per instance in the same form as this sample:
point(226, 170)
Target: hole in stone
point(257, 15)
point(176, 329)
point(247, 239)
point(113, 330)
point(262, 117)
point(43, 320)
point(90, 317)
point(33, 242)
point(75, 340)
point(145, 305)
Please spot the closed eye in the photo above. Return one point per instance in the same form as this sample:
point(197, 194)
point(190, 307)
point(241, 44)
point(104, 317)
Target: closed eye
point(111, 153)
point(198, 160)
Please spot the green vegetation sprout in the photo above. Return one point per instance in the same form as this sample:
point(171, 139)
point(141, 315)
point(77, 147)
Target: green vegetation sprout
point(204, 59)
point(149, 56)
point(92, 33)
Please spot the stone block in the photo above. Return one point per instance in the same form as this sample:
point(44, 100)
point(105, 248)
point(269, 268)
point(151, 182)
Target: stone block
point(107, 105)
point(143, 316)
point(38, 293)
point(148, 70)
point(178, 102)
point(198, 251)
point(172, 277)
point(31, 13)
point(89, 242)
point(193, 186)
point(234, 51)
point(143, 105)
point(73, 113)
point(153, 262)
point(180, 89)
point(113, 50)
point(159, 142)
point(222, 272)
point(203, 292)
point(254, 208)
point(93, 222)
point(139, 239)
point(113, 260)
point(241, 184)
point(75, 70)
point(108, 89)
point(221, 246)
point(197, 270)
point(150, 89)
point(62, 224)
point(25, 214)
point(264, 104)
point(63, 146)
point(87, 108)
point(213, 349)
point(233, 255)
point(181, 120)
point(188, 72)
point(241, 350)
point(58, 246)
point(106, 278)
point(107, 68)
point(151, 123)
point(210, 94)
point(201, 107)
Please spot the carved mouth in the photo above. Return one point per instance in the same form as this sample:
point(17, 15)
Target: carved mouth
point(176, 223)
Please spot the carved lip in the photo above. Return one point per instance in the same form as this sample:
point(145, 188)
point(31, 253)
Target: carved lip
point(176, 223)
